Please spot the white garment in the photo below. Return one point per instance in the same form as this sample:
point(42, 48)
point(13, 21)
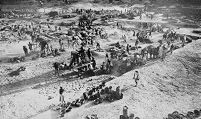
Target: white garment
point(61, 99)
point(184, 38)
point(136, 76)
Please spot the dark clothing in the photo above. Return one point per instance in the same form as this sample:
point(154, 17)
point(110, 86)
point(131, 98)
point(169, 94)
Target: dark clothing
point(94, 63)
point(171, 48)
point(136, 77)
point(133, 33)
point(56, 66)
point(30, 46)
point(150, 33)
point(25, 50)
point(85, 96)
point(89, 54)
point(82, 52)
point(127, 48)
point(61, 90)
point(137, 35)
point(98, 46)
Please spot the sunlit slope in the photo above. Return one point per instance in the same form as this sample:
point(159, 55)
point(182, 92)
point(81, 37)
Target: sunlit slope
point(164, 87)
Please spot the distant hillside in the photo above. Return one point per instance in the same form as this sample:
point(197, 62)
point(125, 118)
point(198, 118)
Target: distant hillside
point(162, 2)
point(13, 2)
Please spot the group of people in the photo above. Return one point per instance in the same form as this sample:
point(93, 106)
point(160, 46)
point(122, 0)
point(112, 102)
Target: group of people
point(97, 94)
point(85, 36)
point(195, 114)
point(141, 36)
point(106, 66)
point(18, 30)
point(125, 114)
point(29, 49)
point(82, 60)
point(132, 12)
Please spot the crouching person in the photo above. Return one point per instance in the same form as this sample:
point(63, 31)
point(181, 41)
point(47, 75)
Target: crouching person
point(119, 94)
point(116, 95)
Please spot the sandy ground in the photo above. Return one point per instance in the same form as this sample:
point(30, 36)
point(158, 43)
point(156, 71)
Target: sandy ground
point(37, 97)
point(164, 86)
point(12, 49)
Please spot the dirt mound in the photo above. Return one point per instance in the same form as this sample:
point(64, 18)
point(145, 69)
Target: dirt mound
point(164, 87)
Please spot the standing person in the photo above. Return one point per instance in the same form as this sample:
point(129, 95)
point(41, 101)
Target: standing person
point(82, 52)
point(61, 97)
point(136, 78)
point(128, 48)
point(55, 28)
point(117, 25)
point(60, 43)
point(56, 67)
point(93, 63)
point(124, 38)
point(163, 52)
point(89, 53)
point(138, 34)
point(52, 50)
point(30, 46)
point(47, 49)
point(136, 44)
point(106, 57)
point(134, 33)
point(171, 48)
point(25, 50)
point(61, 90)
point(98, 46)
point(48, 26)
point(184, 40)
point(150, 33)
point(68, 42)
point(140, 16)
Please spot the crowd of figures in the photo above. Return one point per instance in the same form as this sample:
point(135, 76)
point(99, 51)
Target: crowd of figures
point(84, 35)
point(126, 116)
point(136, 55)
point(96, 95)
point(149, 52)
point(189, 115)
point(129, 13)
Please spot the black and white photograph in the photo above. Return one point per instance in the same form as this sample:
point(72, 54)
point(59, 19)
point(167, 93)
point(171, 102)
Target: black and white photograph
point(100, 59)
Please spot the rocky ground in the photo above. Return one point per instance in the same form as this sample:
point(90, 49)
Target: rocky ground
point(164, 86)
